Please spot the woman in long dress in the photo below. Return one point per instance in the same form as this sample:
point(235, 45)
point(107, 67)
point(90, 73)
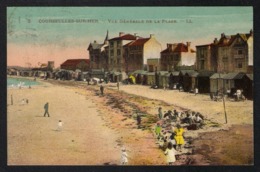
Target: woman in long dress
point(170, 153)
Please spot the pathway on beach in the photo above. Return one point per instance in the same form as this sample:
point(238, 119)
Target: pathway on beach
point(32, 139)
point(237, 112)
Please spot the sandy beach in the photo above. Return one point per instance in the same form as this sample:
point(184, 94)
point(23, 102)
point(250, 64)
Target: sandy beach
point(33, 139)
point(96, 127)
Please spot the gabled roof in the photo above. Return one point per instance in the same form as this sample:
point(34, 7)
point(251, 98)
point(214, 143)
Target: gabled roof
point(175, 73)
point(250, 76)
point(95, 46)
point(230, 39)
point(150, 73)
point(163, 72)
point(138, 42)
point(139, 72)
point(230, 75)
point(183, 72)
point(205, 45)
point(124, 37)
point(205, 73)
point(179, 47)
point(192, 73)
point(217, 76)
point(73, 62)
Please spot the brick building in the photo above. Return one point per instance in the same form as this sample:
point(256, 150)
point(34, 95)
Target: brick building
point(137, 52)
point(116, 60)
point(177, 54)
point(98, 55)
point(231, 53)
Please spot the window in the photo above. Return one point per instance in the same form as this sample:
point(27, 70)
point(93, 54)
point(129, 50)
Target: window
point(202, 64)
point(239, 65)
point(150, 68)
point(240, 52)
point(118, 52)
point(111, 44)
point(112, 52)
point(176, 57)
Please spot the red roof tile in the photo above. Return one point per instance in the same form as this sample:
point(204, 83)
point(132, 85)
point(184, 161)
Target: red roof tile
point(73, 62)
point(124, 37)
point(138, 42)
point(180, 47)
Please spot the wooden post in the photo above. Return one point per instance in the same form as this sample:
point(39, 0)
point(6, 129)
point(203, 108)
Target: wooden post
point(224, 108)
point(224, 101)
point(11, 99)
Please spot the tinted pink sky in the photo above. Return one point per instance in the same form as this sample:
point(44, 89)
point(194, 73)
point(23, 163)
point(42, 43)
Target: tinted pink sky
point(22, 54)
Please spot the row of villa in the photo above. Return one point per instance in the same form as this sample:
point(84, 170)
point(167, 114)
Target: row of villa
point(225, 64)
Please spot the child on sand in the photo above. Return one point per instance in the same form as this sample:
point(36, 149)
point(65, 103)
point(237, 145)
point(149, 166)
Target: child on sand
point(170, 153)
point(124, 157)
point(158, 129)
point(59, 126)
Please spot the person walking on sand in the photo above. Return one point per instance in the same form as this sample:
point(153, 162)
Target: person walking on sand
point(101, 90)
point(139, 120)
point(170, 153)
point(160, 112)
point(59, 128)
point(179, 137)
point(117, 84)
point(46, 108)
point(124, 157)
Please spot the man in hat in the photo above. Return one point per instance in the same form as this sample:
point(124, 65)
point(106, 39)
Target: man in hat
point(101, 90)
point(46, 108)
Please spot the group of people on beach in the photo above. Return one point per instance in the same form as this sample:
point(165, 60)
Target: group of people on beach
point(169, 130)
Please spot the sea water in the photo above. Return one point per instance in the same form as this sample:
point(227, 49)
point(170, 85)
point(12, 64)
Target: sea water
point(21, 82)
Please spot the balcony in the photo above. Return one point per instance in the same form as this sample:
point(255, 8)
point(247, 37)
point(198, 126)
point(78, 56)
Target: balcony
point(239, 56)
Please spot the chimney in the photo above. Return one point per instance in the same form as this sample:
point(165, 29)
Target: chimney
point(121, 34)
point(215, 40)
point(173, 46)
point(222, 35)
point(188, 46)
point(95, 41)
point(151, 35)
point(251, 32)
point(135, 34)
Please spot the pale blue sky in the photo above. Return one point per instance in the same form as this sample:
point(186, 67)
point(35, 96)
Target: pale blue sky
point(24, 27)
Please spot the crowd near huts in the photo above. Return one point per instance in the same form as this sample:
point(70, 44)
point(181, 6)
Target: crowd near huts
point(221, 67)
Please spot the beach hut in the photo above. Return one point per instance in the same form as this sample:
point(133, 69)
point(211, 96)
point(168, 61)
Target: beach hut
point(174, 79)
point(194, 79)
point(99, 73)
point(249, 91)
point(216, 82)
point(243, 82)
point(138, 74)
point(150, 78)
point(189, 80)
point(229, 82)
point(163, 79)
point(203, 79)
